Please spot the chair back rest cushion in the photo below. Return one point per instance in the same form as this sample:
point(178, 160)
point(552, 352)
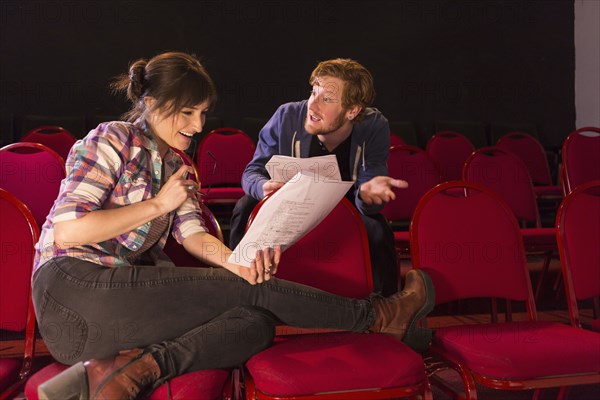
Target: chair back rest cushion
point(531, 152)
point(333, 256)
point(226, 151)
point(449, 150)
point(578, 229)
point(33, 177)
point(411, 164)
point(467, 238)
point(580, 157)
point(507, 176)
point(55, 137)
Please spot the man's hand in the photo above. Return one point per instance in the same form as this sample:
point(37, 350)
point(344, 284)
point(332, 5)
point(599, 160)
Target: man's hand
point(270, 186)
point(379, 189)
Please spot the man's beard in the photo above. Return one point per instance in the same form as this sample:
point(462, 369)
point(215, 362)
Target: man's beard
point(325, 130)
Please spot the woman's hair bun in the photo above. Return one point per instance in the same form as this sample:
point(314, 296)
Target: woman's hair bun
point(136, 79)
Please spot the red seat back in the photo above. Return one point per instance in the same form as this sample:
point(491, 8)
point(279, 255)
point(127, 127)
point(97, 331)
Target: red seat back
point(334, 256)
point(449, 150)
point(57, 138)
point(531, 152)
point(578, 232)
point(222, 157)
point(507, 176)
point(468, 239)
point(18, 234)
point(580, 157)
point(411, 164)
point(34, 177)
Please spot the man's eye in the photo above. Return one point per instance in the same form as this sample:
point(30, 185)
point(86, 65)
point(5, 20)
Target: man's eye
point(187, 112)
point(327, 99)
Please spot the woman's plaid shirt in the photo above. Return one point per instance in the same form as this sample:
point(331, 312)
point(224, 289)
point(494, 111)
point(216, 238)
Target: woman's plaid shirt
point(115, 165)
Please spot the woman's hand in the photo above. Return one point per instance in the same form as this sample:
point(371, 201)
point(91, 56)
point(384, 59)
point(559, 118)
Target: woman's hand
point(263, 267)
point(176, 190)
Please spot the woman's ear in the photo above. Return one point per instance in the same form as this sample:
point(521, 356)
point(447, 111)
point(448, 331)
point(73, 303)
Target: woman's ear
point(149, 102)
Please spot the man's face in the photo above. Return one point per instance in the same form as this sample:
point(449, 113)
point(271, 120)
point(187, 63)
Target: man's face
point(325, 111)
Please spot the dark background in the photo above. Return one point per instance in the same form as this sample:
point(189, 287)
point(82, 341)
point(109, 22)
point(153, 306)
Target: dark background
point(489, 61)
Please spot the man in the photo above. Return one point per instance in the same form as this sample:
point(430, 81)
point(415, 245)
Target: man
point(336, 119)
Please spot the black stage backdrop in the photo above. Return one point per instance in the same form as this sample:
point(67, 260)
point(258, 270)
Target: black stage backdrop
point(488, 61)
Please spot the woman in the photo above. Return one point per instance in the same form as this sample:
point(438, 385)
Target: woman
point(105, 292)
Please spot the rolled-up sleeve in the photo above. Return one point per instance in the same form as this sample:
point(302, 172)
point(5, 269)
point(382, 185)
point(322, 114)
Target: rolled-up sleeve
point(91, 175)
point(188, 220)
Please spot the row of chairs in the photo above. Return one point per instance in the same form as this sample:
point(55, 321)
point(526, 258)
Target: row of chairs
point(504, 169)
point(450, 149)
point(479, 132)
point(220, 157)
point(488, 260)
point(446, 155)
point(222, 154)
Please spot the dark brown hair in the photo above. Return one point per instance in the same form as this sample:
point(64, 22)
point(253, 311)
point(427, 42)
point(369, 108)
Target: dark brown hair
point(176, 80)
point(358, 89)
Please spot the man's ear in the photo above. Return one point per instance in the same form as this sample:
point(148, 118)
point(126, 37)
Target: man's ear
point(353, 112)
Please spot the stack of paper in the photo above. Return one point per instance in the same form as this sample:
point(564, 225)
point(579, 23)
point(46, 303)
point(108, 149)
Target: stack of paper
point(313, 188)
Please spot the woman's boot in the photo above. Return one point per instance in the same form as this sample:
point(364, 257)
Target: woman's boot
point(122, 377)
point(398, 314)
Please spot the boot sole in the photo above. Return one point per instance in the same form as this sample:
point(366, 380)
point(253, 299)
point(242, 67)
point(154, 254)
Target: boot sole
point(427, 307)
point(419, 339)
point(71, 384)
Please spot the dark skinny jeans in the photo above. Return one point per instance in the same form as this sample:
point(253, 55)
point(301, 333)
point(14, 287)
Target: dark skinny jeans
point(189, 318)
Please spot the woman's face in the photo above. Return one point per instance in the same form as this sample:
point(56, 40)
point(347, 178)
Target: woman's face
point(178, 129)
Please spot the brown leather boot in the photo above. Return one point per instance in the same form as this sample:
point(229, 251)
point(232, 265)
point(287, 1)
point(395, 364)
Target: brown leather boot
point(120, 377)
point(398, 314)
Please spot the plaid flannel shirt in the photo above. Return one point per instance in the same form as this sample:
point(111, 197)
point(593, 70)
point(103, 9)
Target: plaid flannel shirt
point(115, 165)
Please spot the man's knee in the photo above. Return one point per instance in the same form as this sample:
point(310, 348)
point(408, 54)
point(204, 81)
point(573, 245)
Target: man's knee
point(378, 229)
point(239, 217)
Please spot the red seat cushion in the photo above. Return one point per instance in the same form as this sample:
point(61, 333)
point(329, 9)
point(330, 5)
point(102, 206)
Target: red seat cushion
point(199, 385)
point(333, 362)
point(9, 371)
point(521, 350)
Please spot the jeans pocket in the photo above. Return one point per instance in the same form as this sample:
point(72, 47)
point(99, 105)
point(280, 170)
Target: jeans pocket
point(64, 331)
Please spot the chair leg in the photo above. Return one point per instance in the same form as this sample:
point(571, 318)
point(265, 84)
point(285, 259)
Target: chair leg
point(545, 268)
point(563, 394)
